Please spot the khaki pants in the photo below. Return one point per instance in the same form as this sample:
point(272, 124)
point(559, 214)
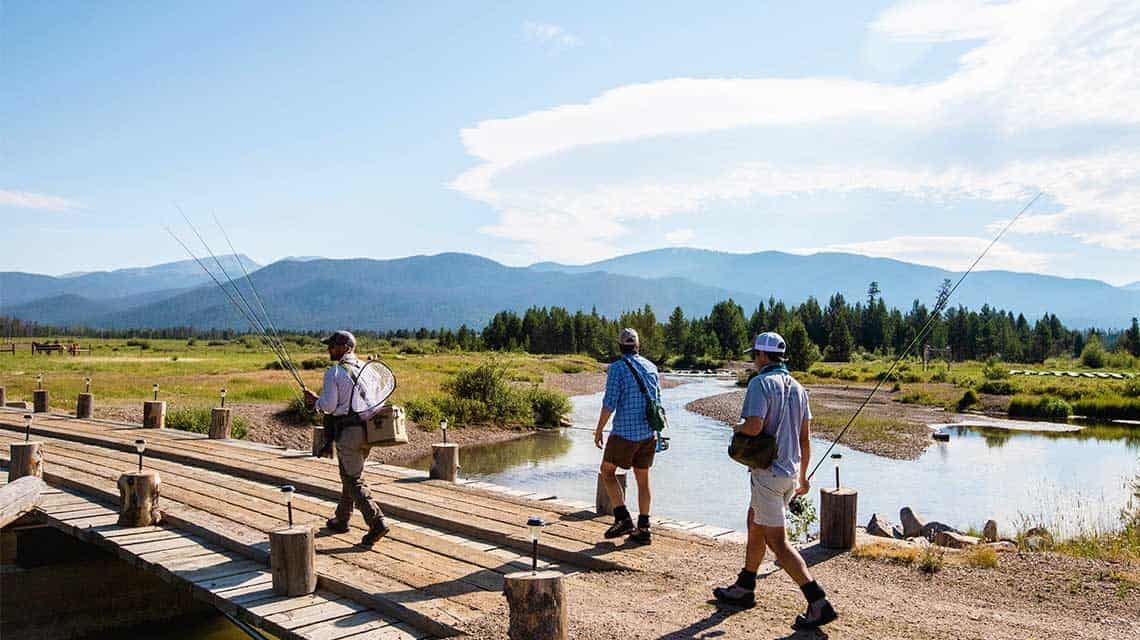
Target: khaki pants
point(351, 451)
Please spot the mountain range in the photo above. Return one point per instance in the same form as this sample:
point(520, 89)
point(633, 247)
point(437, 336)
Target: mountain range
point(450, 289)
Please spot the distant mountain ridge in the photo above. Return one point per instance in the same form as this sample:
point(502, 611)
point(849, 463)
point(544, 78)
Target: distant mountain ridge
point(450, 289)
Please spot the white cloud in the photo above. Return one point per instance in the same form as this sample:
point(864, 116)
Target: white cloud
point(39, 201)
point(680, 236)
point(1040, 71)
point(551, 36)
point(955, 253)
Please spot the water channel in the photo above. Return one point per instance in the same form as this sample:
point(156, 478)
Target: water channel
point(1066, 480)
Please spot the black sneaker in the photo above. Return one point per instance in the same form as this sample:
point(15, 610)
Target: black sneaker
point(620, 528)
point(375, 532)
point(641, 536)
point(336, 526)
point(735, 596)
point(818, 614)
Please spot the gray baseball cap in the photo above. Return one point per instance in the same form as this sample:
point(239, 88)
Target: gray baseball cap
point(629, 337)
point(340, 338)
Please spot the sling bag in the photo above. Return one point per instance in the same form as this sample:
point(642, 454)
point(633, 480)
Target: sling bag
point(654, 412)
point(758, 451)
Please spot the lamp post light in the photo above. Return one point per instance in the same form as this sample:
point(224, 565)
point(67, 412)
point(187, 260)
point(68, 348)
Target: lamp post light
point(837, 457)
point(155, 389)
point(288, 490)
point(443, 427)
point(27, 427)
point(87, 381)
point(223, 397)
point(534, 524)
point(140, 446)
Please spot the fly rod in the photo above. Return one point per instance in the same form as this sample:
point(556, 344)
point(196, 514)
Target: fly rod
point(938, 307)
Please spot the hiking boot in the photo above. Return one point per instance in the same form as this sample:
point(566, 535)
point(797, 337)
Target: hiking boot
point(818, 614)
point(736, 596)
point(641, 536)
point(620, 528)
point(375, 532)
point(336, 526)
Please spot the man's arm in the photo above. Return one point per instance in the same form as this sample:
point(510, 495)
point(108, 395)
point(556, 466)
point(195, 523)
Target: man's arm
point(603, 418)
point(753, 411)
point(609, 401)
point(328, 399)
point(752, 426)
point(805, 456)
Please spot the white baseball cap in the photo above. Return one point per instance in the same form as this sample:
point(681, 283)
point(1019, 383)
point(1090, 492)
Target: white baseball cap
point(628, 337)
point(769, 341)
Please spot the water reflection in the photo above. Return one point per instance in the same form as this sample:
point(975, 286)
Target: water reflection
point(996, 437)
point(485, 459)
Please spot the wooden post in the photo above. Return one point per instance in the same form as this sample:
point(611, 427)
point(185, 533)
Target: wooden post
point(292, 559)
point(837, 517)
point(220, 421)
point(85, 406)
point(444, 462)
point(25, 459)
point(40, 401)
point(154, 414)
point(603, 506)
point(138, 498)
point(3, 397)
point(537, 604)
point(319, 443)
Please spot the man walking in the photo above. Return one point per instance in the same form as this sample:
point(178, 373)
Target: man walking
point(347, 429)
point(776, 404)
point(631, 442)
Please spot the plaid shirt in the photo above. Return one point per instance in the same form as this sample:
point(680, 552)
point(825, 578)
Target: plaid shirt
point(625, 399)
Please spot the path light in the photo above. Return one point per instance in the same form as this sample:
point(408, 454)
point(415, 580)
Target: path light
point(288, 491)
point(534, 524)
point(27, 427)
point(40, 381)
point(837, 457)
point(87, 381)
point(443, 426)
point(223, 397)
point(155, 389)
point(140, 446)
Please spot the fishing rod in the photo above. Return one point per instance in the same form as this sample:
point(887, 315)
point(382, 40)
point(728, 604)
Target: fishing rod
point(943, 299)
point(253, 290)
point(277, 347)
point(233, 301)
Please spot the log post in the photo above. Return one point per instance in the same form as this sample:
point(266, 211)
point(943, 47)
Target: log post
point(154, 414)
point(85, 405)
point(444, 462)
point(40, 401)
point(3, 397)
point(220, 422)
point(25, 459)
point(292, 559)
point(138, 498)
point(319, 436)
point(537, 603)
point(603, 506)
point(837, 508)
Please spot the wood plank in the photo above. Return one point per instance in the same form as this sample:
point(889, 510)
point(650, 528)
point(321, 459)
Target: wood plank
point(317, 613)
point(345, 626)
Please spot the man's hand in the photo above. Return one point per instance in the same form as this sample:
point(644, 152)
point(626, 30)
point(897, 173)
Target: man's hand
point(598, 438)
point(804, 487)
point(310, 399)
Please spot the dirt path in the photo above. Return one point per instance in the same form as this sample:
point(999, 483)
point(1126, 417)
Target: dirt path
point(885, 427)
point(1031, 596)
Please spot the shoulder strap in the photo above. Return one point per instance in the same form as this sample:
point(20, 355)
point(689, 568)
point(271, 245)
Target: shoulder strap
point(640, 384)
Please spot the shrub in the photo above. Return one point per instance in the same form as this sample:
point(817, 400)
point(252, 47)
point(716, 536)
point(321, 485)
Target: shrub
point(549, 406)
point(931, 559)
point(1093, 355)
point(968, 399)
point(571, 367)
point(191, 342)
point(1132, 388)
point(1039, 407)
point(938, 376)
point(197, 419)
point(993, 370)
point(315, 363)
point(997, 387)
point(916, 397)
point(821, 372)
point(981, 556)
point(141, 344)
point(300, 413)
point(274, 365)
point(846, 374)
point(426, 413)
point(217, 343)
point(1108, 407)
point(896, 387)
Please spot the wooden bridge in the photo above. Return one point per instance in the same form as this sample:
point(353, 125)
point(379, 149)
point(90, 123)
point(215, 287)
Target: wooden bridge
point(440, 568)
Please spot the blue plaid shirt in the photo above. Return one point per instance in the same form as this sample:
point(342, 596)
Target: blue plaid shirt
point(625, 399)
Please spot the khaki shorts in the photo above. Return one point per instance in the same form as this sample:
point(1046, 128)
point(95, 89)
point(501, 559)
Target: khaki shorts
point(771, 493)
point(630, 453)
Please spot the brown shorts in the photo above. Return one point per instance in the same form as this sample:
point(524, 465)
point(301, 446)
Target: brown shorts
point(630, 453)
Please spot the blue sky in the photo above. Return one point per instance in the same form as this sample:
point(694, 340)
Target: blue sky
point(528, 132)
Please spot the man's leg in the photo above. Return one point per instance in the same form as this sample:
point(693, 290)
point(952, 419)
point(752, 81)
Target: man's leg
point(819, 610)
point(742, 593)
point(644, 498)
point(613, 489)
point(754, 552)
point(352, 450)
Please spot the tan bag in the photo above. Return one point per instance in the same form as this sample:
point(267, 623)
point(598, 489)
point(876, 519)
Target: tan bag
point(387, 427)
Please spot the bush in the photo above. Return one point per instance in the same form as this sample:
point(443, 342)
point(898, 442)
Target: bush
point(846, 374)
point(197, 419)
point(217, 343)
point(1039, 407)
point(426, 413)
point(981, 557)
point(191, 342)
point(1108, 407)
point(931, 559)
point(300, 413)
point(1093, 355)
point(968, 399)
point(141, 344)
point(916, 397)
point(821, 372)
point(571, 367)
point(315, 363)
point(274, 365)
point(939, 376)
point(993, 370)
point(997, 388)
point(1132, 388)
point(549, 406)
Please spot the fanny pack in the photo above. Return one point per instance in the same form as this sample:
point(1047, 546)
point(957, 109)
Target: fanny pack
point(758, 451)
point(654, 412)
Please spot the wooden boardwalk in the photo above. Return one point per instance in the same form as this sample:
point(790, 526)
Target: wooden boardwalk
point(441, 566)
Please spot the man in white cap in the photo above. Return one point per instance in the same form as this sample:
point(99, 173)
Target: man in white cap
point(347, 429)
point(632, 442)
point(777, 404)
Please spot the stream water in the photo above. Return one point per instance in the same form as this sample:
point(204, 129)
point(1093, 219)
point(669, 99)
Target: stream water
point(1070, 481)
